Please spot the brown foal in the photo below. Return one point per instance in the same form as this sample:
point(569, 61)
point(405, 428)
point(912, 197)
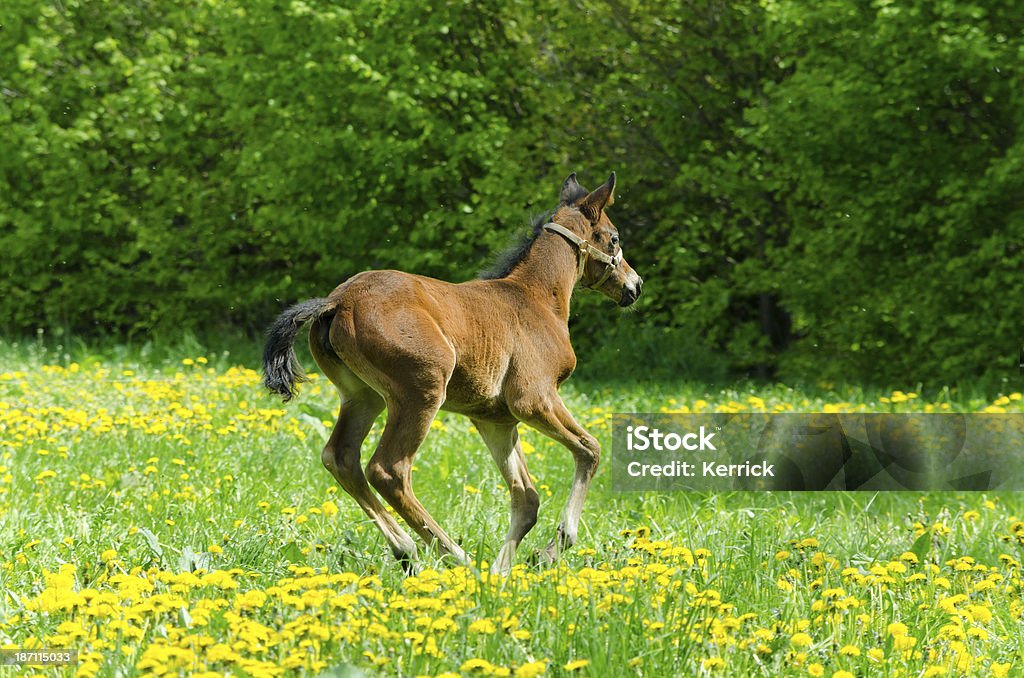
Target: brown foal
point(495, 350)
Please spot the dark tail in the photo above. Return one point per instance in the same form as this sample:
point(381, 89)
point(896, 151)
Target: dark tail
point(281, 370)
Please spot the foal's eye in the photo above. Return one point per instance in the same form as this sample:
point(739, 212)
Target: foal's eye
point(615, 240)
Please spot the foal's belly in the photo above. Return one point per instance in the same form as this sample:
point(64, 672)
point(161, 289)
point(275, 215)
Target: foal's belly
point(477, 394)
point(491, 410)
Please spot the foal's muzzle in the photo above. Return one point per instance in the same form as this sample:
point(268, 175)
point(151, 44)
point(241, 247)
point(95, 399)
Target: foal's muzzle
point(630, 293)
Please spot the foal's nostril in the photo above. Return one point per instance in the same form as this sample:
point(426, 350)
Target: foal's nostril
point(629, 295)
point(639, 285)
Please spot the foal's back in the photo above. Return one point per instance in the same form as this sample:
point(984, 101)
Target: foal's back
point(462, 343)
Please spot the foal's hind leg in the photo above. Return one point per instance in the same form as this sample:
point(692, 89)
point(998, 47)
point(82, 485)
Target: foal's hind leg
point(390, 468)
point(503, 442)
point(359, 408)
point(341, 457)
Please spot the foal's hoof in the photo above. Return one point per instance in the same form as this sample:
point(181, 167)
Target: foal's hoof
point(541, 558)
point(501, 568)
point(409, 565)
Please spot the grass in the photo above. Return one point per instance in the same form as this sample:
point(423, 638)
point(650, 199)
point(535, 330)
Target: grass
point(165, 516)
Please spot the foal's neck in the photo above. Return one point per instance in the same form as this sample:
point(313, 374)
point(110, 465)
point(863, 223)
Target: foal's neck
point(549, 270)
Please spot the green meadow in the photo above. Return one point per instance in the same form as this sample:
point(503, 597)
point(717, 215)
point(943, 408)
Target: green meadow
point(165, 516)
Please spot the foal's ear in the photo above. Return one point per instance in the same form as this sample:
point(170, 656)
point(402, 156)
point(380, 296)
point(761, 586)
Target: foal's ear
point(602, 197)
point(571, 191)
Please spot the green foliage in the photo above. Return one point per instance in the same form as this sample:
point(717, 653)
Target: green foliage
point(191, 164)
point(668, 355)
point(816, 190)
point(895, 148)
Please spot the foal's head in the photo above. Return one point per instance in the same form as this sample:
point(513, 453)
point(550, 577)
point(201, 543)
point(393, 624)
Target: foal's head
point(583, 213)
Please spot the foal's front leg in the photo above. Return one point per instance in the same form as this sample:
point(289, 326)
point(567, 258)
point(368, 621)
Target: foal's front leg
point(503, 442)
point(549, 415)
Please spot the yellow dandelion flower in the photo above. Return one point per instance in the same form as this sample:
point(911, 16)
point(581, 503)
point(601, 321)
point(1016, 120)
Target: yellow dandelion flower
point(800, 640)
point(482, 626)
point(576, 665)
point(896, 629)
point(979, 613)
point(532, 669)
point(979, 633)
point(902, 643)
point(477, 664)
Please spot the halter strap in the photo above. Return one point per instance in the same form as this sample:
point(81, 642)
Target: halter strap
point(583, 250)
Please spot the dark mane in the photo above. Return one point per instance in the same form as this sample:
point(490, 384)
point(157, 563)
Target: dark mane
point(509, 258)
